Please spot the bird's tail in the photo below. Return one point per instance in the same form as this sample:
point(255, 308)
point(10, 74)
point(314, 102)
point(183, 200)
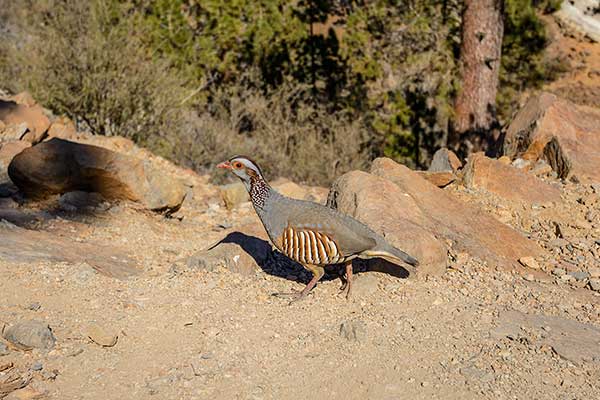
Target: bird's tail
point(393, 255)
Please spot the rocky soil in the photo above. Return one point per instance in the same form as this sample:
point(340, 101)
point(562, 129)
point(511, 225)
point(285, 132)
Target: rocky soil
point(138, 279)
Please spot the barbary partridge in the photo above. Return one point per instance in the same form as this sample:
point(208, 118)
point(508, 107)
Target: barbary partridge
point(309, 233)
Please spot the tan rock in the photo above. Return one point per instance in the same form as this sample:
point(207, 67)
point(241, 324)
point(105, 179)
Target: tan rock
point(24, 98)
point(529, 262)
point(101, 336)
point(440, 179)
point(507, 182)
point(59, 166)
point(290, 189)
point(34, 116)
point(469, 228)
point(566, 135)
point(62, 128)
point(233, 194)
point(505, 160)
point(10, 149)
point(382, 206)
point(12, 132)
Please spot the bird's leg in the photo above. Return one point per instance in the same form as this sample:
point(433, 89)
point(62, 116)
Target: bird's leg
point(317, 272)
point(347, 286)
point(342, 276)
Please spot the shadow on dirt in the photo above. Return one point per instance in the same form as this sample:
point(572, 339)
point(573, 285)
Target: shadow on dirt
point(275, 263)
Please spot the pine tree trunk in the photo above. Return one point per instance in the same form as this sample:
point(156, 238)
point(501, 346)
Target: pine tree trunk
point(476, 124)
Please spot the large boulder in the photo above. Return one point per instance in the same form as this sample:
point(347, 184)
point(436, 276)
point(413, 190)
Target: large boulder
point(565, 135)
point(437, 212)
point(365, 197)
point(507, 181)
point(59, 166)
point(15, 114)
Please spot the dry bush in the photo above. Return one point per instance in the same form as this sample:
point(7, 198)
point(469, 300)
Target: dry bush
point(287, 138)
point(86, 59)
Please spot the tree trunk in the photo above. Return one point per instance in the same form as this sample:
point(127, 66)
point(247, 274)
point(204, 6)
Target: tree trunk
point(476, 125)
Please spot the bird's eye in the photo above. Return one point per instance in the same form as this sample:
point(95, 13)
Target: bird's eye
point(237, 165)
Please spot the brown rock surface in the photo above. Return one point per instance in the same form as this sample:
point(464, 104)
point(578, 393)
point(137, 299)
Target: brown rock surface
point(20, 245)
point(507, 181)
point(59, 166)
point(365, 197)
point(37, 122)
point(566, 135)
point(440, 179)
point(470, 229)
point(9, 150)
point(62, 128)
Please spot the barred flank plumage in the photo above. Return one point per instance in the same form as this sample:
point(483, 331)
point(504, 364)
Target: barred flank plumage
point(310, 247)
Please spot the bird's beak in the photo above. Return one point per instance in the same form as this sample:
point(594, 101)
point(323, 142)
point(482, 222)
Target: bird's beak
point(224, 165)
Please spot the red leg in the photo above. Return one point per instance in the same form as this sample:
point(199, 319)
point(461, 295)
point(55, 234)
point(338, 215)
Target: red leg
point(317, 272)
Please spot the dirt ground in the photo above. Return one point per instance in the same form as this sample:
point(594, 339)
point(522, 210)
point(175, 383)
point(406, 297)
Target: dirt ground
point(198, 334)
point(189, 333)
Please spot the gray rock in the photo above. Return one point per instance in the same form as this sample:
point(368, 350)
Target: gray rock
point(31, 334)
point(353, 330)
point(35, 306)
point(520, 163)
point(444, 160)
point(37, 366)
point(558, 242)
point(580, 275)
point(571, 340)
point(78, 200)
point(595, 285)
point(233, 194)
point(3, 349)
point(227, 255)
point(83, 273)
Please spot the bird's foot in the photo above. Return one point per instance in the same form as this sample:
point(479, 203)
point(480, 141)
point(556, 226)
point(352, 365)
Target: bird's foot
point(345, 290)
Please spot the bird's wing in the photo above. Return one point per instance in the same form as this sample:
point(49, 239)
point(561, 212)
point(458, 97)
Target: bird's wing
point(350, 236)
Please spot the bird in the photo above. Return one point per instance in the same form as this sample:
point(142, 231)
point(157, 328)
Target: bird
point(309, 233)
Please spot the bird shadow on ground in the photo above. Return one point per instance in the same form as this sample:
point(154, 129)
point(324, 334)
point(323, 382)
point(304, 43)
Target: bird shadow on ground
point(275, 263)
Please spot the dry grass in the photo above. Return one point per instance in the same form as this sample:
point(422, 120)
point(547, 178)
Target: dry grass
point(87, 60)
point(288, 138)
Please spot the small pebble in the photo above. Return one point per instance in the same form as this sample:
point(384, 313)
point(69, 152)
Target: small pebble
point(3, 349)
point(579, 275)
point(37, 366)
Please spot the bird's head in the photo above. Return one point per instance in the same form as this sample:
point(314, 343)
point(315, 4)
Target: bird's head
point(246, 169)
